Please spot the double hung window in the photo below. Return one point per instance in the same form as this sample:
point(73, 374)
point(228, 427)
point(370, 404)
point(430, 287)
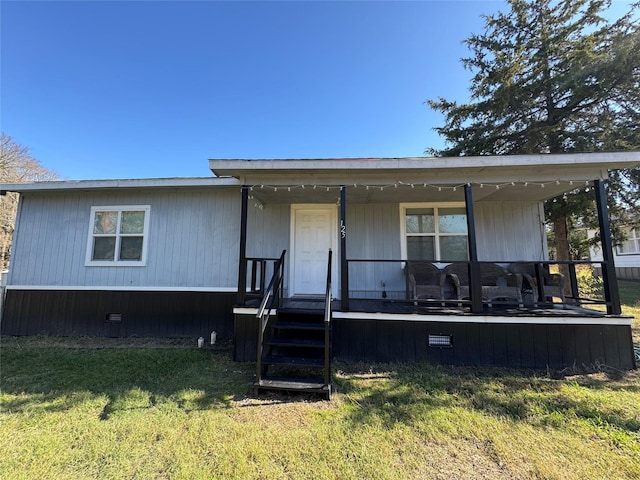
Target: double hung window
point(434, 232)
point(632, 244)
point(118, 236)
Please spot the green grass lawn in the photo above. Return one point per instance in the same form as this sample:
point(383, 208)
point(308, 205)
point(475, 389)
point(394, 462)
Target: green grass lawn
point(103, 408)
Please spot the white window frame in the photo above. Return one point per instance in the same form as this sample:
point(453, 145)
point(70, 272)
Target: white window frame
point(633, 235)
point(115, 262)
point(436, 235)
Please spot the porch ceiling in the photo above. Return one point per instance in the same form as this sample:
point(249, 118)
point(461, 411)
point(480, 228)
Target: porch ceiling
point(389, 193)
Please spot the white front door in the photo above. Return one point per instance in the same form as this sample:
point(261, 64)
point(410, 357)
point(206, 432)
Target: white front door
point(314, 233)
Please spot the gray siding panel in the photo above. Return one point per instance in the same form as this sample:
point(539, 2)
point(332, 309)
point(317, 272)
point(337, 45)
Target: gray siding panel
point(193, 240)
point(506, 231)
point(510, 231)
point(373, 232)
point(268, 230)
point(268, 233)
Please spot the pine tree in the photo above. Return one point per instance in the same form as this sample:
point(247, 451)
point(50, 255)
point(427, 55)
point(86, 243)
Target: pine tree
point(553, 77)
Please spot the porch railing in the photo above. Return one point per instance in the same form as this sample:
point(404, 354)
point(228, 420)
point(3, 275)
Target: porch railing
point(327, 324)
point(258, 268)
point(272, 299)
point(386, 279)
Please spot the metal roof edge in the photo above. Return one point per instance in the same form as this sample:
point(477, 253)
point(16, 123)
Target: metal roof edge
point(628, 159)
point(120, 184)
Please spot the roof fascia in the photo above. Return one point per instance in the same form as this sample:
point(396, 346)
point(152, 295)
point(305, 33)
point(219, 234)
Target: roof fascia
point(143, 183)
point(241, 168)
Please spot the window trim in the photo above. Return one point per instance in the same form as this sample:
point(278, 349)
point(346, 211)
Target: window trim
point(436, 206)
point(633, 235)
point(115, 262)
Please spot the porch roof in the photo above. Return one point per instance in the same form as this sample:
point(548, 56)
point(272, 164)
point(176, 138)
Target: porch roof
point(495, 178)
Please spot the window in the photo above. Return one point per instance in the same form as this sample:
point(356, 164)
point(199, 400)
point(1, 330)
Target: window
point(632, 244)
point(118, 236)
point(434, 232)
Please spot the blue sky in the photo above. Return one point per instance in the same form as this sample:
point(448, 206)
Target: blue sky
point(124, 89)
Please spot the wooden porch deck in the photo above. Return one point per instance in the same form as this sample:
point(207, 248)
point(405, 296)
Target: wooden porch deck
point(407, 307)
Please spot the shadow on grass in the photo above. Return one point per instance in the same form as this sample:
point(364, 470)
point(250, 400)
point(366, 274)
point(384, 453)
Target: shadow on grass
point(411, 393)
point(117, 380)
point(121, 379)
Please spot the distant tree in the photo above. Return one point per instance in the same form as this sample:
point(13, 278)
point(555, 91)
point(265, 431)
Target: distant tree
point(16, 166)
point(553, 77)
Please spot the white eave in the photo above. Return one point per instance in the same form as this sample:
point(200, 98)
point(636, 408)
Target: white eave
point(500, 165)
point(142, 183)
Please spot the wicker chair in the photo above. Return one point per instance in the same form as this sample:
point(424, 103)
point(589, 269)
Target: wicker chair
point(423, 280)
point(497, 282)
point(553, 283)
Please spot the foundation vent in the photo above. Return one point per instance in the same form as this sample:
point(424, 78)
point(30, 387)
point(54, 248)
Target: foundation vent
point(441, 341)
point(114, 317)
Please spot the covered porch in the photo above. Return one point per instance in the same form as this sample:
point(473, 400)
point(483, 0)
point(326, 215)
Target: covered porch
point(376, 314)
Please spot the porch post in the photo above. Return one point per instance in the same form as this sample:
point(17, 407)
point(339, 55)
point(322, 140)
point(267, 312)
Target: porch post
point(475, 286)
point(344, 266)
point(242, 266)
point(611, 294)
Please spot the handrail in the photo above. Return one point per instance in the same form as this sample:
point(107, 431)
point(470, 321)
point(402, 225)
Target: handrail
point(327, 324)
point(274, 290)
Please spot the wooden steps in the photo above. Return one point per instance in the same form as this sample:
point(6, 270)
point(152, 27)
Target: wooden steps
point(293, 353)
point(298, 326)
point(295, 342)
point(300, 385)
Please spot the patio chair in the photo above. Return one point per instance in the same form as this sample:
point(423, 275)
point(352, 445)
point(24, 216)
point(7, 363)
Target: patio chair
point(497, 282)
point(423, 280)
point(553, 283)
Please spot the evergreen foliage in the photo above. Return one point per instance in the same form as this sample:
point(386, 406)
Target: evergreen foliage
point(554, 77)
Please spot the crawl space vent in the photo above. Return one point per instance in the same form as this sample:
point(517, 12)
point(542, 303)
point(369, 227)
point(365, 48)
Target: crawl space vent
point(114, 317)
point(442, 341)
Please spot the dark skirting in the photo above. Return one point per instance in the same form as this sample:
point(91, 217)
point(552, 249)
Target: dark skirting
point(118, 313)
